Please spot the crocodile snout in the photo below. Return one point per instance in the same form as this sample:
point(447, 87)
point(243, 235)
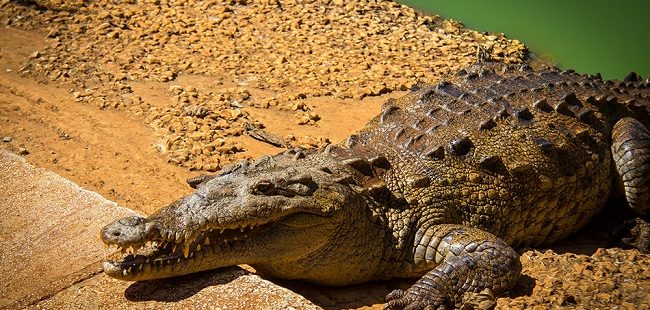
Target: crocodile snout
point(125, 231)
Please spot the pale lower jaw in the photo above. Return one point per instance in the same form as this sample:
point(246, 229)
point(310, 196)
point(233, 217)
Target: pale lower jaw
point(144, 268)
point(165, 260)
point(153, 263)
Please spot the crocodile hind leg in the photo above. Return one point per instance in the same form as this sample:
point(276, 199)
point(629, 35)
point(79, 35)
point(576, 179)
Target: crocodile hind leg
point(631, 152)
point(468, 260)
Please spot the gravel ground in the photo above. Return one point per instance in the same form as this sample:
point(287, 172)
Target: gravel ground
point(268, 56)
point(282, 51)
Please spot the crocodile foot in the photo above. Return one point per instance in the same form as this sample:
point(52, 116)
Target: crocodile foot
point(414, 299)
point(473, 267)
point(409, 299)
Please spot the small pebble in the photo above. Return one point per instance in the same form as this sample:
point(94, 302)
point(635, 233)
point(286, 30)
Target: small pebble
point(7, 139)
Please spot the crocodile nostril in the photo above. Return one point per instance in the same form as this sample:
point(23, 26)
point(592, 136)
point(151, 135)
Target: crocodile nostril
point(116, 233)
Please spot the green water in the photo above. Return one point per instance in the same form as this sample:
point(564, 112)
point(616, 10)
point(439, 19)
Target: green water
point(610, 37)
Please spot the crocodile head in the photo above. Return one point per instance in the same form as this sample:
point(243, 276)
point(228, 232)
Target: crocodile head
point(277, 214)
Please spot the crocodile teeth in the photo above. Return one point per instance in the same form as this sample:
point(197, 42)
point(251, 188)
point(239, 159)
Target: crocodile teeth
point(174, 247)
point(128, 270)
point(198, 247)
point(206, 241)
point(186, 250)
point(241, 229)
point(221, 231)
point(124, 272)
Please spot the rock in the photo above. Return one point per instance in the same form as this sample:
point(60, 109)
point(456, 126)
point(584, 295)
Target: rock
point(166, 118)
point(175, 90)
point(191, 126)
point(235, 113)
point(176, 127)
point(298, 106)
point(7, 139)
point(53, 33)
point(22, 151)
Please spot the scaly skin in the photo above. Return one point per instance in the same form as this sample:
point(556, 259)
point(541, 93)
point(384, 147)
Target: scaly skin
point(440, 186)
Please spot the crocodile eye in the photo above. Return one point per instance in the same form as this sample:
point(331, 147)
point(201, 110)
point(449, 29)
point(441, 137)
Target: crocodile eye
point(263, 187)
point(299, 189)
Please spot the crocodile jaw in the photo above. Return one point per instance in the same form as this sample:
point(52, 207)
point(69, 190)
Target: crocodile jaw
point(215, 248)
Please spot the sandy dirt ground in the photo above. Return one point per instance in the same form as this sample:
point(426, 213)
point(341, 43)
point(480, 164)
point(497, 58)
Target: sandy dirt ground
point(129, 99)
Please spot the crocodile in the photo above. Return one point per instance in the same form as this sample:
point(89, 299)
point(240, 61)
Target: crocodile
point(442, 186)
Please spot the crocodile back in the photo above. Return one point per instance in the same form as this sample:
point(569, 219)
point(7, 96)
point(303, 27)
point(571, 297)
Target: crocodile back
point(523, 154)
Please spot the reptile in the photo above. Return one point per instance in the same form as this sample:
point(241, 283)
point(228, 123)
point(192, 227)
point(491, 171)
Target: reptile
point(442, 185)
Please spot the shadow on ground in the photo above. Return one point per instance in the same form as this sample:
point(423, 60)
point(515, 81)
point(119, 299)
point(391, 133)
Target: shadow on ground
point(373, 293)
point(183, 287)
point(346, 297)
point(524, 287)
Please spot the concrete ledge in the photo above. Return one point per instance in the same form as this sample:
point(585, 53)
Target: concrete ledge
point(226, 288)
point(49, 231)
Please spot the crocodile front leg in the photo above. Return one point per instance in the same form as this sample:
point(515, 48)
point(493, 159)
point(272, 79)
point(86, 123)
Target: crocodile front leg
point(468, 260)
